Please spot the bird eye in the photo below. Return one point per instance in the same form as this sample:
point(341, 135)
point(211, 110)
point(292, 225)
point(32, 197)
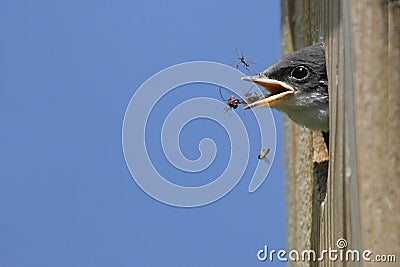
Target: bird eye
point(299, 72)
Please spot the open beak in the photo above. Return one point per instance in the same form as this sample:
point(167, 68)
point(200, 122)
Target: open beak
point(277, 91)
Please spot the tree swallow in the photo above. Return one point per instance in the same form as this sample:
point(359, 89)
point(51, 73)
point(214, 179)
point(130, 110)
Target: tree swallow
point(298, 86)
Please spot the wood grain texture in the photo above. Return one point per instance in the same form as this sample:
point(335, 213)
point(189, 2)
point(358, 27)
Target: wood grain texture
point(362, 204)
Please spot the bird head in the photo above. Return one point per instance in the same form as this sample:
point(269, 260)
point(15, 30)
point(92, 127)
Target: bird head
point(298, 86)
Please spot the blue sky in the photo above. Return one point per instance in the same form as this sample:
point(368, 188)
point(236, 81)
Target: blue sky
point(69, 70)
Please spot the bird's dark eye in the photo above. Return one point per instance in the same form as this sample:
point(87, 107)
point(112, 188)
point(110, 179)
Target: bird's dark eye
point(299, 73)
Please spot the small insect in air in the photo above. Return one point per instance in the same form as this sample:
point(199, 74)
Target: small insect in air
point(263, 154)
point(233, 102)
point(242, 60)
